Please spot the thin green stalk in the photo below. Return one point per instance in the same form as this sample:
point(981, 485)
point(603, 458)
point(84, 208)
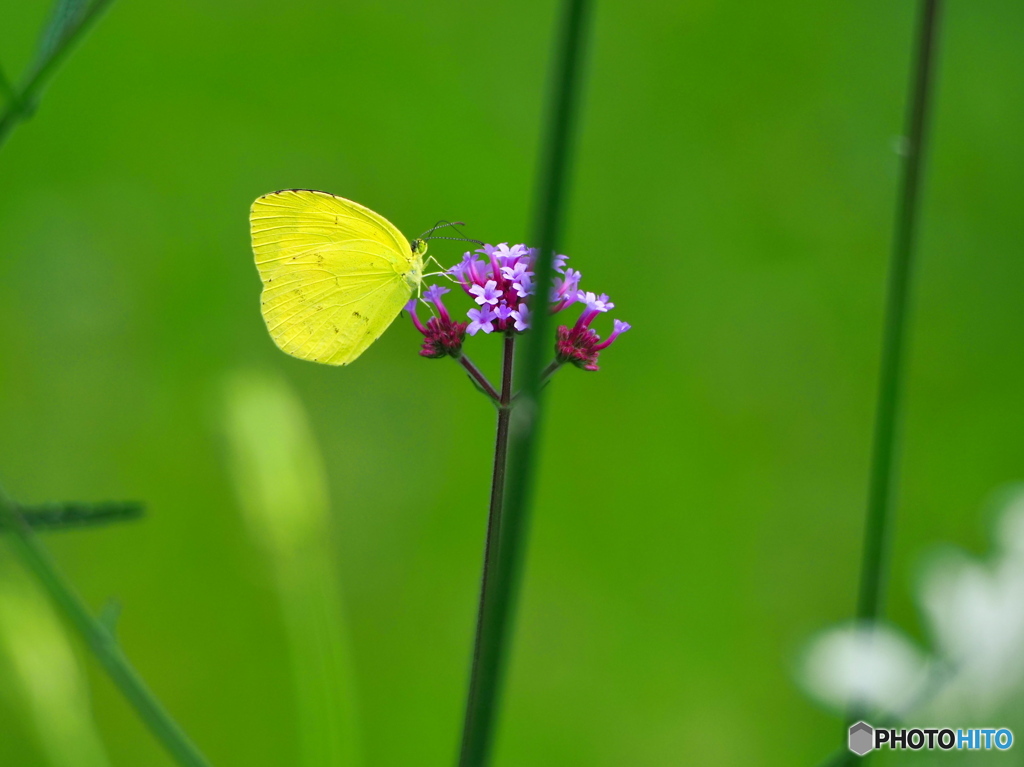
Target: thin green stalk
point(21, 106)
point(882, 481)
point(498, 607)
point(887, 420)
point(99, 639)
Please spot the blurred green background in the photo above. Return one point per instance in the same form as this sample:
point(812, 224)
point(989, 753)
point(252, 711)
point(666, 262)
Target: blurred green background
point(701, 499)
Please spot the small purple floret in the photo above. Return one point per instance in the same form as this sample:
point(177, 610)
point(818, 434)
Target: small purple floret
point(434, 293)
point(482, 319)
point(442, 337)
point(487, 293)
point(522, 317)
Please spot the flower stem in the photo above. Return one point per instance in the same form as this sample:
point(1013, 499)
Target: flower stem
point(481, 697)
point(497, 608)
point(887, 417)
point(549, 371)
point(99, 639)
point(478, 376)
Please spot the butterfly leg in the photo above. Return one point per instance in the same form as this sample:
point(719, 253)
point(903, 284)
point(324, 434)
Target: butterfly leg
point(444, 273)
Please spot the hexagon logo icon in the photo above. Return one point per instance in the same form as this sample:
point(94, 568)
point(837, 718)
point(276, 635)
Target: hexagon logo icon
point(862, 738)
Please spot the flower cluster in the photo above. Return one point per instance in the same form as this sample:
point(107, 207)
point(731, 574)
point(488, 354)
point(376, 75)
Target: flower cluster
point(442, 336)
point(500, 279)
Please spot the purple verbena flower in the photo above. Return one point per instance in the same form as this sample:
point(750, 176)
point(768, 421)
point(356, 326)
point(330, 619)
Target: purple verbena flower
point(522, 317)
point(502, 282)
point(620, 328)
point(433, 295)
point(411, 308)
point(487, 293)
point(521, 278)
point(482, 319)
point(442, 337)
point(513, 273)
point(505, 254)
point(581, 345)
point(575, 345)
point(502, 311)
point(566, 289)
point(595, 305)
point(461, 270)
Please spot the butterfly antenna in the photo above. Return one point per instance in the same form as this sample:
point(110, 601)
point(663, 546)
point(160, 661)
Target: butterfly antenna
point(442, 225)
point(457, 239)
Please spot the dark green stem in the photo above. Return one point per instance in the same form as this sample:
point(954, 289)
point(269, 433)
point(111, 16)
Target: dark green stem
point(64, 516)
point(99, 639)
point(497, 610)
point(882, 482)
point(887, 421)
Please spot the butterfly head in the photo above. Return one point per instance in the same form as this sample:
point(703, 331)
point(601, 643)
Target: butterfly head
point(419, 247)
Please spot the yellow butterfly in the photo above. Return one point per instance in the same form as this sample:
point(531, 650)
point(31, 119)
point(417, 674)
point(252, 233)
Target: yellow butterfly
point(335, 274)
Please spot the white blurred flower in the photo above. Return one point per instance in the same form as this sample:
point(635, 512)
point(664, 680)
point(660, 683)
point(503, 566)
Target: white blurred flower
point(976, 613)
point(863, 667)
point(1010, 526)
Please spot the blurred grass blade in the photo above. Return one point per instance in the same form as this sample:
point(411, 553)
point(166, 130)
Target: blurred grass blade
point(69, 21)
point(10, 96)
point(281, 482)
point(73, 514)
point(109, 615)
point(64, 16)
point(53, 683)
point(99, 640)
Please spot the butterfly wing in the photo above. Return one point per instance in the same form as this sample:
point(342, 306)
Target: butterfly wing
point(335, 274)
